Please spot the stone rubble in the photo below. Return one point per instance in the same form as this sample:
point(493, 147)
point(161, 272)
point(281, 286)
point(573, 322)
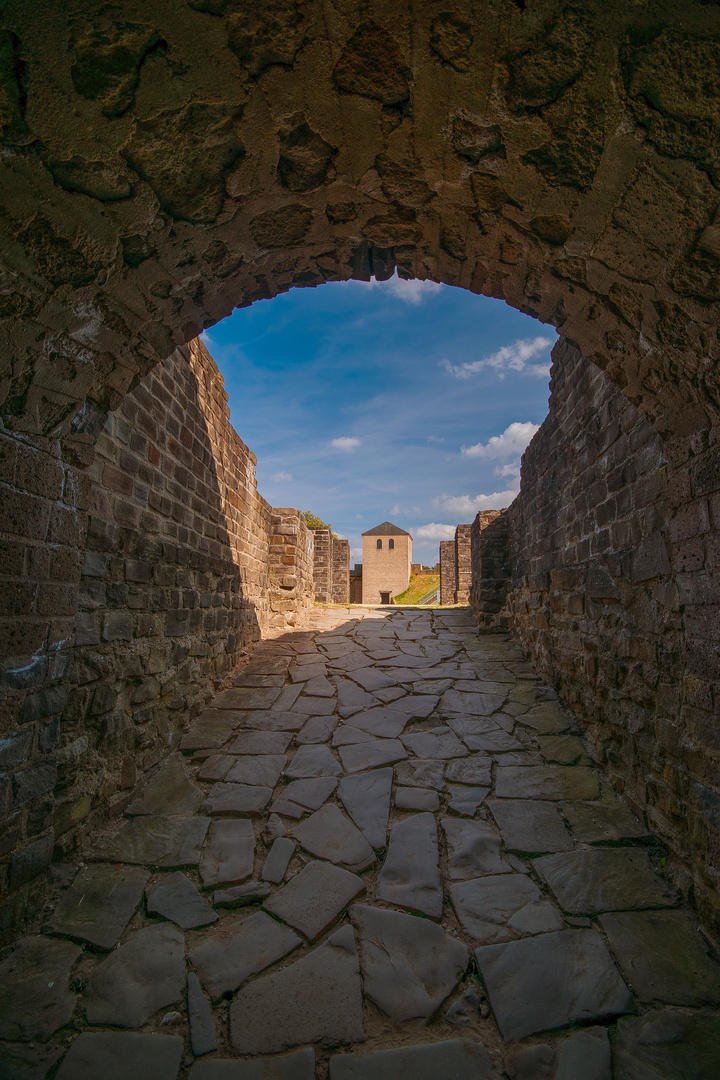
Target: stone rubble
point(335, 873)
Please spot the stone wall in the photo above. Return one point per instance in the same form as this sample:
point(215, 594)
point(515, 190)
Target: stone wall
point(340, 571)
point(322, 563)
point(448, 574)
point(490, 559)
point(146, 567)
point(611, 564)
point(463, 564)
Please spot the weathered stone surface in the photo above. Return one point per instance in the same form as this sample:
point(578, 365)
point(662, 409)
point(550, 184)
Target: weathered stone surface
point(439, 743)
point(203, 1039)
point(35, 999)
point(667, 1044)
point(530, 825)
point(418, 706)
point(409, 965)
point(563, 749)
point(312, 761)
point(497, 908)
point(603, 820)
point(275, 719)
point(328, 834)
point(416, 798)
point(547, 719)
point(318, 729)
point(455, 701)
point(303, 795)
point(317, 999)
point(176, 898)
point(237, 698)
point(246, 946)
point(229, 852)
point(421, 774)
point(260, 770)
point(384, 723)
point(23, 1061)
point(366, 797)
point(237, 799)
point(604, 879)
point(410, 876)
point(453, 1060)
point(572, 975)
point(278, 860)
point(585, 1054)
point(115, 1055)
point(143, 975)
point(370, 755)
point(255, 681)
point(547, 782)
point(346, 735)
point(216, 767)
point(239, 895)
point(158, 841)
point(473, 849)
point(465, 800)
point(313, 899)
point(663, 957)
point(211, 729)
point(320, 687)
point(483, 735)
point(99, 904)
point(261, 742)
point(170, 792)
point(298, 1065)
point(475, 771)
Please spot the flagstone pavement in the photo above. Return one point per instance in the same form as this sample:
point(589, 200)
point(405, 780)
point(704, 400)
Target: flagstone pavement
point(382, 853)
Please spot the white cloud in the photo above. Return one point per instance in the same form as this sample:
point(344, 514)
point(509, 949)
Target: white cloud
point(434, 531)
point(281, 477)
point(346, 442)
point(515, 357)
point(511, 443)
point(413, 291)
point(508, 470)
point(467, 506)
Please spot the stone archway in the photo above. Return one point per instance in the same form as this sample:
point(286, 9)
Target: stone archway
point(164, 163)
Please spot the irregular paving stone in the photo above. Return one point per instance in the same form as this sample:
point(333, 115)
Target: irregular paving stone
point(604, 879)
point(275, 720)
point(439, 743)
point(316, 999)
point(176, 898)
point(366, 797)
point(497, 908)
point(473, 849)
point(300, 673)
point(299, 1065)
point(170, 792)
point(314, 898)
point(246, 699)
point(465, 1009)
point(320, 687)
point(211, 729)
point(203, 1039)
point(483, 735)
point(278, 860)
point(663, 957)
point(253, 681)
point(303, 795)
point(116, 1055)
point(419, 706)
point(369, 755)
point(242, 894)
point(237, 799)
point(409, 965)
point(34, 996)
point(584, 1054)
point(328, 834)
point(548, 782)
point(318, 729)
point(572, 975)
point(159, 841)
point(410, 876)
point(522, 758)
point(371, 678)
point(260, 770)
point(21, 1061)
point(453, 1060)
point(603, 820)
point(312, 761)
point(229, 852)
point(454, 701)
point(247, 946)
point(384, 723)
point(346, 735)
point(417, 798)
point(99, 904)
point(351, 698)
point(431, 686)
point(563, 749)
point(530, 825)
point(268, 665)
point(465, 800)
point(261, 742)
point(138, 978)
point(667, 1045)
point(421, 774)
point(216, 767)
point(548, 719)
point(474, 771)
point(315, 706)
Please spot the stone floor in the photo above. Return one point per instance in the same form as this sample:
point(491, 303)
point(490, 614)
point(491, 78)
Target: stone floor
point(383, 853)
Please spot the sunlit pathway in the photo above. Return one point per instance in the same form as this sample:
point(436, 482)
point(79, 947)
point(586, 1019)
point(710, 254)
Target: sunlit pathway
point(383, 852)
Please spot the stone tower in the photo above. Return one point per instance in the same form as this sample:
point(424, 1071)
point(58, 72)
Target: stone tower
point(387, 557)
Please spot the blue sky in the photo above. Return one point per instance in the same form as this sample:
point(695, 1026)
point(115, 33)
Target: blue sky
point(403, 401)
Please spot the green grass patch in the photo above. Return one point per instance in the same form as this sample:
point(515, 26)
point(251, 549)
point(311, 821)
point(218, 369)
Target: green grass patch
point(418, 587)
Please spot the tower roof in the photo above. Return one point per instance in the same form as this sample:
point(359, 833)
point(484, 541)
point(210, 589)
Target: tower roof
point(386, 529)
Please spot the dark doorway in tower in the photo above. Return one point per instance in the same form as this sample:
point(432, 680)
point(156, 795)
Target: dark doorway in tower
point(384, 597)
